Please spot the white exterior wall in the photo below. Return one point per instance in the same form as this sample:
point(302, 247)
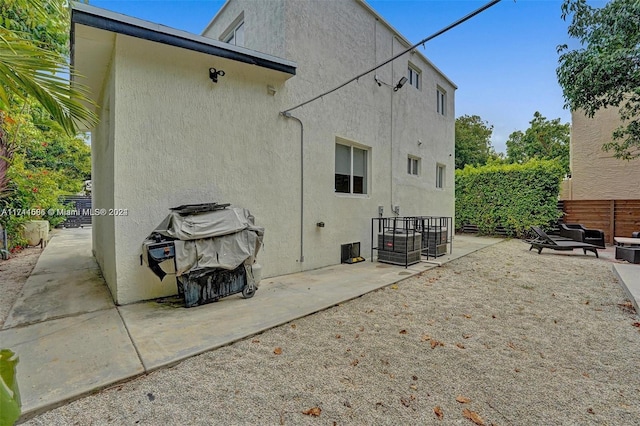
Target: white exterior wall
point(331, 45)
point(103, 177)
point(182, 139)
point(178, 138)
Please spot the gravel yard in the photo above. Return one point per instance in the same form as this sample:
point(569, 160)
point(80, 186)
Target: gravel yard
point(503, 336)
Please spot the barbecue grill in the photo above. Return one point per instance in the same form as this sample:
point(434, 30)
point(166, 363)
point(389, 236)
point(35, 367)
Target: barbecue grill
point(213, 249)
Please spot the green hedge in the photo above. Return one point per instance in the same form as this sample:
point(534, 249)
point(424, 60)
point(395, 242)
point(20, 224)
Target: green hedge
point(514, 196)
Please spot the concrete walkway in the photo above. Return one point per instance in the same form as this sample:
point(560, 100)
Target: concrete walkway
point(72, 339)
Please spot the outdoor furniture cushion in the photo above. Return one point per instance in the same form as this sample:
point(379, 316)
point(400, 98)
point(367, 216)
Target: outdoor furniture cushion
point(630, 254)
point(542, 240)
point(591, 236)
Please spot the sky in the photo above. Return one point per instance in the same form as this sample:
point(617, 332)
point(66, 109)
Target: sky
point(503, 60)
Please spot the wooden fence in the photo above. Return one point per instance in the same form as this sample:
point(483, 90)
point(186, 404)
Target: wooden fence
point(617, 218)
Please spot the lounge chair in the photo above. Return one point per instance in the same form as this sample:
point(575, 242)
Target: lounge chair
point(591, 236)
point(544, 241)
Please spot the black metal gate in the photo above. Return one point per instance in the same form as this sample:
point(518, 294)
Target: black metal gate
point(80, 206)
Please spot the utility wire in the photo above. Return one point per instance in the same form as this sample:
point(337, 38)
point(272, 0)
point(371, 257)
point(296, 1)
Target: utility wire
point(421, 42)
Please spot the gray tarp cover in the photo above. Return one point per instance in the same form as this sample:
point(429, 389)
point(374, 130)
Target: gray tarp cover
point(218, 239)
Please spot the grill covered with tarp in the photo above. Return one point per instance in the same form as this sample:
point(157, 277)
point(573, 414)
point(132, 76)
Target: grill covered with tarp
point(213, 247)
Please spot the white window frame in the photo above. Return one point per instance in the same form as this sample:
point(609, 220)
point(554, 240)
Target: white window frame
point(414, 75)
point(413, 165)
point(440, 175)
point(441, 103)
point(352, 146)
point(231, 36)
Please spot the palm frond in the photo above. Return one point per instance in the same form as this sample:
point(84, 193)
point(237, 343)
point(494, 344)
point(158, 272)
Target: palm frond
point(26, 70)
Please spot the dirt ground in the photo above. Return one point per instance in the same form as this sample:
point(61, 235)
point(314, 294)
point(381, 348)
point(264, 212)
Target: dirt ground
point(13, 274)
point(503, 336)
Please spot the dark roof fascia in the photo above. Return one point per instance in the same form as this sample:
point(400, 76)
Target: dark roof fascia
point(113, 25)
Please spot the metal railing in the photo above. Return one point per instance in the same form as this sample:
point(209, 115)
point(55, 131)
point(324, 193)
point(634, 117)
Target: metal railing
point(406, 240)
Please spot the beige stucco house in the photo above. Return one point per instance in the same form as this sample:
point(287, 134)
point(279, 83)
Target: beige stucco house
point(596, 174)
point(603, 192)
point(170, 135)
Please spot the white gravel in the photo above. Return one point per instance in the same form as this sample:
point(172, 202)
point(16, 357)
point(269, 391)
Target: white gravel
point(528, 339)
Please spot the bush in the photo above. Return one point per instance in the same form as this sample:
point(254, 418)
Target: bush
point(46, 164)
point(514, 196)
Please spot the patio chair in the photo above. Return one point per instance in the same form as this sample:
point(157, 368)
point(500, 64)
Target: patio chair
point(544, 241)
point(591, 236)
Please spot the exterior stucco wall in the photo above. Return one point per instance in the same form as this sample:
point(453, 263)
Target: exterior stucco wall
point(331, 45)
point(179, 138)
point(264, 25)
point(103, 177)
point(182, 139)
point(595, 174)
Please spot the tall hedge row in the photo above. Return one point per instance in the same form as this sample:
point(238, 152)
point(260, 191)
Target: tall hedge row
point(515, 196)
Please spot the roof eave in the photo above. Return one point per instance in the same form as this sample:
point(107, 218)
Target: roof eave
point(109, 21)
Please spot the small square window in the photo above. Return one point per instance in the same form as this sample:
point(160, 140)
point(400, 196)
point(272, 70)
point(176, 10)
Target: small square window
point(441, 101)
point(414, 76)
point(413, 166)
point(440, 175)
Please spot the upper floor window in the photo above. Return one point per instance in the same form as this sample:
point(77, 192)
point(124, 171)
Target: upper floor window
point(351, 169)
point(413, 166)
point(235, 35)
point(440, 168)
point(442, 101)
point(413, 74)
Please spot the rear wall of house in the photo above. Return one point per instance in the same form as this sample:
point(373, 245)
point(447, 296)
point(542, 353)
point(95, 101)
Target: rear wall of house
point(332, 42)
point(179, 138)
point(182, 139)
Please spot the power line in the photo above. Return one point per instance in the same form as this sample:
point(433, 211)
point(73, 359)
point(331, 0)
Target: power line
point(421, 42)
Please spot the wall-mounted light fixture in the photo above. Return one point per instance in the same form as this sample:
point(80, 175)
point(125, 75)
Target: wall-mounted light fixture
point(271, 90)
point(397, 87)
point(214, 74)
point(401, 83)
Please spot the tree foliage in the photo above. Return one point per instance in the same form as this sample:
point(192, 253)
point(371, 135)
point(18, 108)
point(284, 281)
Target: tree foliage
point(514, 196)
point(473, 141)
point(40, 156)
point(33, 62)
point(605, 70)
point(544, 140)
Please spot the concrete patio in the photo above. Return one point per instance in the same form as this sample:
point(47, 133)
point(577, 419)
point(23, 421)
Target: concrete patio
point(72, 339)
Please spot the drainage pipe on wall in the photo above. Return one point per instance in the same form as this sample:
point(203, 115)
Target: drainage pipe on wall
point(287, 114)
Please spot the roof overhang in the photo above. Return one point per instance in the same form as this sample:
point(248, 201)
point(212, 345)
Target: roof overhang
point(97, 28)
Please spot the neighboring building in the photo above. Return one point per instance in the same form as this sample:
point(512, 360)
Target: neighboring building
point(596, 174)
point(169, 135)
point(603, 192)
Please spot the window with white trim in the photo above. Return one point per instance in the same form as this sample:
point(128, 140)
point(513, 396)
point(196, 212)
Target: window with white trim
point(413, 74)
point(413, 165)
point(442, 101)
point(440, 168)
point(235, 35)
point(351, 169)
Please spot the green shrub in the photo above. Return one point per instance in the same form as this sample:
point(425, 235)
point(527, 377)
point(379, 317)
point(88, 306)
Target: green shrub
point(515, 196)
point(9, 393)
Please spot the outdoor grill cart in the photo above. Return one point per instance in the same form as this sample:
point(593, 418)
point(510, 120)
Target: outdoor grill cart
point(213, 248)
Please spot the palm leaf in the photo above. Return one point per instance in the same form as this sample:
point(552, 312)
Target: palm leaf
point(26, 70)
